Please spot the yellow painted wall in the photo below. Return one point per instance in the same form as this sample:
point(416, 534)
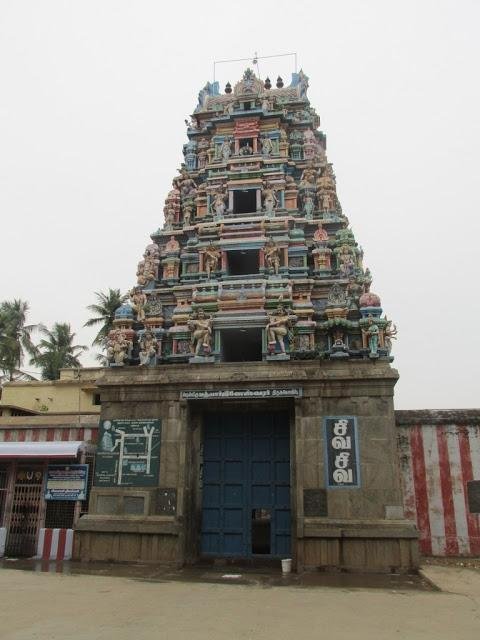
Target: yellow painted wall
point(73, 393)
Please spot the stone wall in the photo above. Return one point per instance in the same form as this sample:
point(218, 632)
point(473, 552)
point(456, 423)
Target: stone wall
point(439, 457)
point(363, 528)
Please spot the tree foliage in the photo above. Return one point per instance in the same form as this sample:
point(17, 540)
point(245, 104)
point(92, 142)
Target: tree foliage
point(104, 310)
point(15, 339)
point(56, 350)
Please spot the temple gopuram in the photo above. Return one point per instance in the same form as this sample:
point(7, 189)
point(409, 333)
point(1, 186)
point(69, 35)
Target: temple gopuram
point(247, 411)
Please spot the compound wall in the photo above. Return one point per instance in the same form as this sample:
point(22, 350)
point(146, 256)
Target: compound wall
point(439, 457)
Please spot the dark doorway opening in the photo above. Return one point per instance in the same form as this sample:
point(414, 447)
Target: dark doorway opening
point(243, 263)
point(241, 345)
point(261, 531)
point(245, 201)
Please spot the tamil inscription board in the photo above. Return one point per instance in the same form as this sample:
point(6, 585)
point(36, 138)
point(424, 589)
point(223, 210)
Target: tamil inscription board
point(128, 453)
point(239, 394)
point(342, 465)
point(66, 482)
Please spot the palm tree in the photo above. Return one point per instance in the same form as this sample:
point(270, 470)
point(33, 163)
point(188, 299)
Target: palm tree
point(15, 339)
point(105, 309)
point(56, 350)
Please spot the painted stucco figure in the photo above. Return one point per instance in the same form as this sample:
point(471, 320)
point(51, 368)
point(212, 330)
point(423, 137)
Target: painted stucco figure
point(212, 256)
point(280, 322)
point(272, 256)
point(200, 326)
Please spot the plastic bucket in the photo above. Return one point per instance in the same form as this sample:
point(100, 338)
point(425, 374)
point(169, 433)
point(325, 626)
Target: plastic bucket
point(287, 565)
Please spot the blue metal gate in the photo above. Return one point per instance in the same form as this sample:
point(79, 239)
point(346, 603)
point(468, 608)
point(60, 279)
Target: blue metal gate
point(246, 484)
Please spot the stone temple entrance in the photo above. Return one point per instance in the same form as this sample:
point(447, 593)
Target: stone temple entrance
point(246, 485)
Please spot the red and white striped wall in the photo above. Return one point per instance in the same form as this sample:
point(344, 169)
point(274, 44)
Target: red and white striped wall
point(55, 544)
point(49, 434)
point(437, 459)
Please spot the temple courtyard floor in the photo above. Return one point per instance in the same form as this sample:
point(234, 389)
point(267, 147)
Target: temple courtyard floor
point(98, 602)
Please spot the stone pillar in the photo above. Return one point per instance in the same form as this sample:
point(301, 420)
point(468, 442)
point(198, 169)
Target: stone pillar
point(259, 199)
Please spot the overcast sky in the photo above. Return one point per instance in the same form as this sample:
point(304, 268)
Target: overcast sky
point(93, 96)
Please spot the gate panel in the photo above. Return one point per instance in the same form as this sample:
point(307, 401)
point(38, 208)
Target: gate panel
point(25, 516)
point(246, 484)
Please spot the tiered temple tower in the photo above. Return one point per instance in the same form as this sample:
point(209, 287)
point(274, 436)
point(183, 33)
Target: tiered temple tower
point(248, 408)
point(255, 260)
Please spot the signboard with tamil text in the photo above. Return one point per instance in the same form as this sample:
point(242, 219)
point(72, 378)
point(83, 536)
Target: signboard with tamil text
point(66, 482)
point(128, 453)
point(238, 394)
point(342, 453)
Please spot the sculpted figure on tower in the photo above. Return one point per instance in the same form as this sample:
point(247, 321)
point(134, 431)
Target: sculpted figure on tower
point(147, 270)
point(200, 326)
point(212, 256)
point(272, 256)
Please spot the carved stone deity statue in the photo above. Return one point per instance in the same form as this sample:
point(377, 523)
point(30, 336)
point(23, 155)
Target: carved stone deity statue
point(346, 262)
point(272, 256)
point(147, 269)
point(270, 200)
point(371, 334)
point(169, 220)
point(226, 149)
point(138, 301)
point(187, 215)
point(200, 326)
point(320, 154)
point(246, 149)
point(367, 280)
point(218, 203)
point(326, 181)
point(279, 324)
point(154, 308)
point(283, 144)
point(211, 258)
point(309, 136)
point(172, 245)
point(322, 257)
point(267, 146)
point(389, 333)
point(119, 348)
point(309, 144)
point(326, 202)
point(336, 296)
point(308, 205)
point(320, 235)
point(188, 188)
point(173, 196)
point(308, 177)
point(148, 349)
point(211, 152)
point(201, 159)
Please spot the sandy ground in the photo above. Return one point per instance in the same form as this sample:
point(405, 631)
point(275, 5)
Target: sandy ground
point(46, 606)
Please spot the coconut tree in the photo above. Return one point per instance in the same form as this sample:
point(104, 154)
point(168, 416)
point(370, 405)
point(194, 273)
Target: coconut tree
point(56, 350)
point(15, 339)
point(104, 311)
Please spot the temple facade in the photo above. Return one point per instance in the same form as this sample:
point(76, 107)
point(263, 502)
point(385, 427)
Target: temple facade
point(247, 411)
